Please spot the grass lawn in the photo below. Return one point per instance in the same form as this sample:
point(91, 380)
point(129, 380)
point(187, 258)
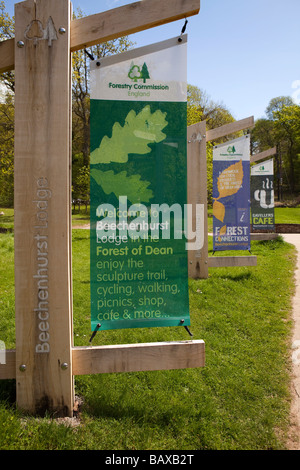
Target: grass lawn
point(282, 215)
point(239, 400)
point(7, 219)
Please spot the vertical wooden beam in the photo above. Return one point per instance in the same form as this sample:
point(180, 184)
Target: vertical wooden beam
point(44, 378)
point(197, 194)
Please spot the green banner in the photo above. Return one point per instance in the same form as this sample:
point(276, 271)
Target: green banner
point(138, 257)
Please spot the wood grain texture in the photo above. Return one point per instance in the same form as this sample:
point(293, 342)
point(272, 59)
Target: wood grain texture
point(115, 23)
point(42, 208)
point(231, 128)
point(7, 55)
point(129, 19)
point(127, 358)
point(8, 370)
point(197, 194)
point(138, 357)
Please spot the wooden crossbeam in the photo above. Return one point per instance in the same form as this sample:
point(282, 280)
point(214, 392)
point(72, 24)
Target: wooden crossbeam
point(7, 55)
point(8, 370)
point(231, 128)
point(112, 24)
point(262, 155)
point(128, 19)
point(138, 357)
point(223, 261)
point(264, 236)
point(126, 358)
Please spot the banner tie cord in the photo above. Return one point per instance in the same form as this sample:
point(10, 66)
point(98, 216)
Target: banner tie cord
point(183, 30)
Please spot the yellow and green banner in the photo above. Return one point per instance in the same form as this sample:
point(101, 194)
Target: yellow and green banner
point(138, 167)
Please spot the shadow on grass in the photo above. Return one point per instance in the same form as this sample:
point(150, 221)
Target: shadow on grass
point(236, 276)
point(8, 391)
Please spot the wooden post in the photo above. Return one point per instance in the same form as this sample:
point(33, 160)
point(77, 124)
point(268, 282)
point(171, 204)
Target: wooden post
point(199, 261)
point(197, 194)
point(42, 207)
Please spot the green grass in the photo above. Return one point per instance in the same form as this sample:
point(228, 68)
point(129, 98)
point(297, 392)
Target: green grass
point(7, 220)
point(80, 217)
point(287, 215)
point(239, 400)
point(283, 215)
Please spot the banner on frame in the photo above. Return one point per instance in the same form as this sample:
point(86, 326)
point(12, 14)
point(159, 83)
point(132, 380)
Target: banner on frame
point(262, 196)
point(231, 195)
point(138, 167)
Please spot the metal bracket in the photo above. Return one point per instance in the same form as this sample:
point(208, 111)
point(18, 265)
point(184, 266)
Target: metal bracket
point(95, 332)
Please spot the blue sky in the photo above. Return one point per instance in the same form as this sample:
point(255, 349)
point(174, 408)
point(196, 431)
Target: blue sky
point(241, 53)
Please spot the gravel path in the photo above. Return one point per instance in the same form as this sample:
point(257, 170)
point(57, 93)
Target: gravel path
point(294, 443)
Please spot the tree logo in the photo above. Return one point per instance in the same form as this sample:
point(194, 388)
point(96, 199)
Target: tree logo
point(137, 73)
point(231, 149)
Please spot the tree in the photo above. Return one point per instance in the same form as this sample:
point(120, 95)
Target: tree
point(6, 119)
point(7, 31)
point(80, 97)
point(281, 128)
point(145, 72)
point(7, 151)
point(201, 107)
point(287, 128)
point(134, 72)
point(81, 93)
point(277, 104)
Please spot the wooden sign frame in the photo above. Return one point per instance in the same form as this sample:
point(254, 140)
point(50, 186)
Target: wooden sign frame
point(45, 361)
point(198, 136)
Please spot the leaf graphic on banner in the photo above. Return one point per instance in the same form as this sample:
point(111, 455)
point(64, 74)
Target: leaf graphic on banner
point(222, 232)
point(138, 132)
point(230, 180)
point(218, 210)
point(121, 184)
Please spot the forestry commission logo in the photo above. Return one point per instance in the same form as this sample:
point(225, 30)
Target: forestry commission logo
point(231, 149)
point(231, 152)
point(137, 72)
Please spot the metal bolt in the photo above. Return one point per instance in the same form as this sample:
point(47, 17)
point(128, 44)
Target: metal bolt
point(62, 30)
point(22, 367)
point(64, 365)
point(20, 44)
